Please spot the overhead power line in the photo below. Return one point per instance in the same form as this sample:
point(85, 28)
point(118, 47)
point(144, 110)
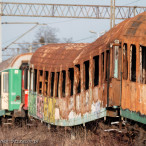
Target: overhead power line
point(132, 2)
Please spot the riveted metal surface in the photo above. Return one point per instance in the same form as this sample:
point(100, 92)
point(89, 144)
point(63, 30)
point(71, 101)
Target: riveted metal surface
point(56, 55)
point(130, 30)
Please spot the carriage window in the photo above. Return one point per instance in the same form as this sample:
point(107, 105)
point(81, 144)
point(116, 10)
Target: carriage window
point(143, 65)
point(107, 64)
point(102, 57)
point(35, 80)
point(40, 81)
point(102, 66)
point(133, 63)
point(71, 77)
point(125, 62)
point(116, 60)
point(5, 83)
point(96, 70)
point(52, 83)
point(0, 84)
point(25, 78)
point(86, 65)
point(40, 87)
point(78, 78)
point(46, 83)
point(58, 75)
point(63, 83)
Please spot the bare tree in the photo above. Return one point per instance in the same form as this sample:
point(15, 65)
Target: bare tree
point(43, 36)
point(68, 40)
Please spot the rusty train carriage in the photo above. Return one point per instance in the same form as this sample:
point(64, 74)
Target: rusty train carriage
point(78, 83)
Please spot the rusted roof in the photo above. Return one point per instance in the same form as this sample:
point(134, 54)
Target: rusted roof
point(15, 62)
point(54, 56)
point(131, 30)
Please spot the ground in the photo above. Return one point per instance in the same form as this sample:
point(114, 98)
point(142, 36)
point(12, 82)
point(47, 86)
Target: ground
point(96, 133)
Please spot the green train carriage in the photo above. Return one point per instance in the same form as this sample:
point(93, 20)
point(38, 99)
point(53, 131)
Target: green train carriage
point(10, 93)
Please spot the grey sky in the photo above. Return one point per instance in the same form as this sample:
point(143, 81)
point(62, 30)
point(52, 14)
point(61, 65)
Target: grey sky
point(78, 29)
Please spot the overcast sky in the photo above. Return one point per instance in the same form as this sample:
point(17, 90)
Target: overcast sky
point(78, 29)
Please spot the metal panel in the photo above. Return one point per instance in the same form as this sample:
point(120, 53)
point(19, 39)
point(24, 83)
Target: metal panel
point(14, 89)
point(32, 106)
point(40, 106)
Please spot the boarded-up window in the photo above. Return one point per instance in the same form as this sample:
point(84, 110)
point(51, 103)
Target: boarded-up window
point(71, 77)
point(63, 83)
point(133, 63)
point(52, 83)
point(125, 62)
point(86, 74)
point(96, 70)
point(143, 64)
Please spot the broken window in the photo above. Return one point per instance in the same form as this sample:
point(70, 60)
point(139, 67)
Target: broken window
point(133, 63)
point(107, 64)
point(40, 81)
point(86, 75)
point(78, 79)
point(102, 66)
point(143, 64)
point(96, 70)
point(58, 75)
point(35, 80)
point(25, 78)
point(46, 83)
point(71, 77)
point(52, 83)
point(40, 87)
point(125, 62)
point(63, 83)
point(116, 61)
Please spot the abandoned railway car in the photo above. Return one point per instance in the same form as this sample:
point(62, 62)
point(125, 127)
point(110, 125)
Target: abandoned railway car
point(71, 84)
point(14, 85)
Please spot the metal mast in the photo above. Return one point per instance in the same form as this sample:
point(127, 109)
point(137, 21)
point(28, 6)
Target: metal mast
point(0, 34)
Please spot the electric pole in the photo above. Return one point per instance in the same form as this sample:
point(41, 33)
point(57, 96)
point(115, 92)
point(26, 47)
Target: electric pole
point(112, 18)
point(0, 33)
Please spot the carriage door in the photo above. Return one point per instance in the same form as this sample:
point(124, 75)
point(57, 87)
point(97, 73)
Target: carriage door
point(115, 86)
point(4, 90)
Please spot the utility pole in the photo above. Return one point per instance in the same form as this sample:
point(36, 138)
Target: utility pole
point(0, 33)
point(112, 18)
point(114, 14)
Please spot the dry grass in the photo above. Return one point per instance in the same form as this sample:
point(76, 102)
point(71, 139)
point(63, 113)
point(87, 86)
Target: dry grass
point(58, 136)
